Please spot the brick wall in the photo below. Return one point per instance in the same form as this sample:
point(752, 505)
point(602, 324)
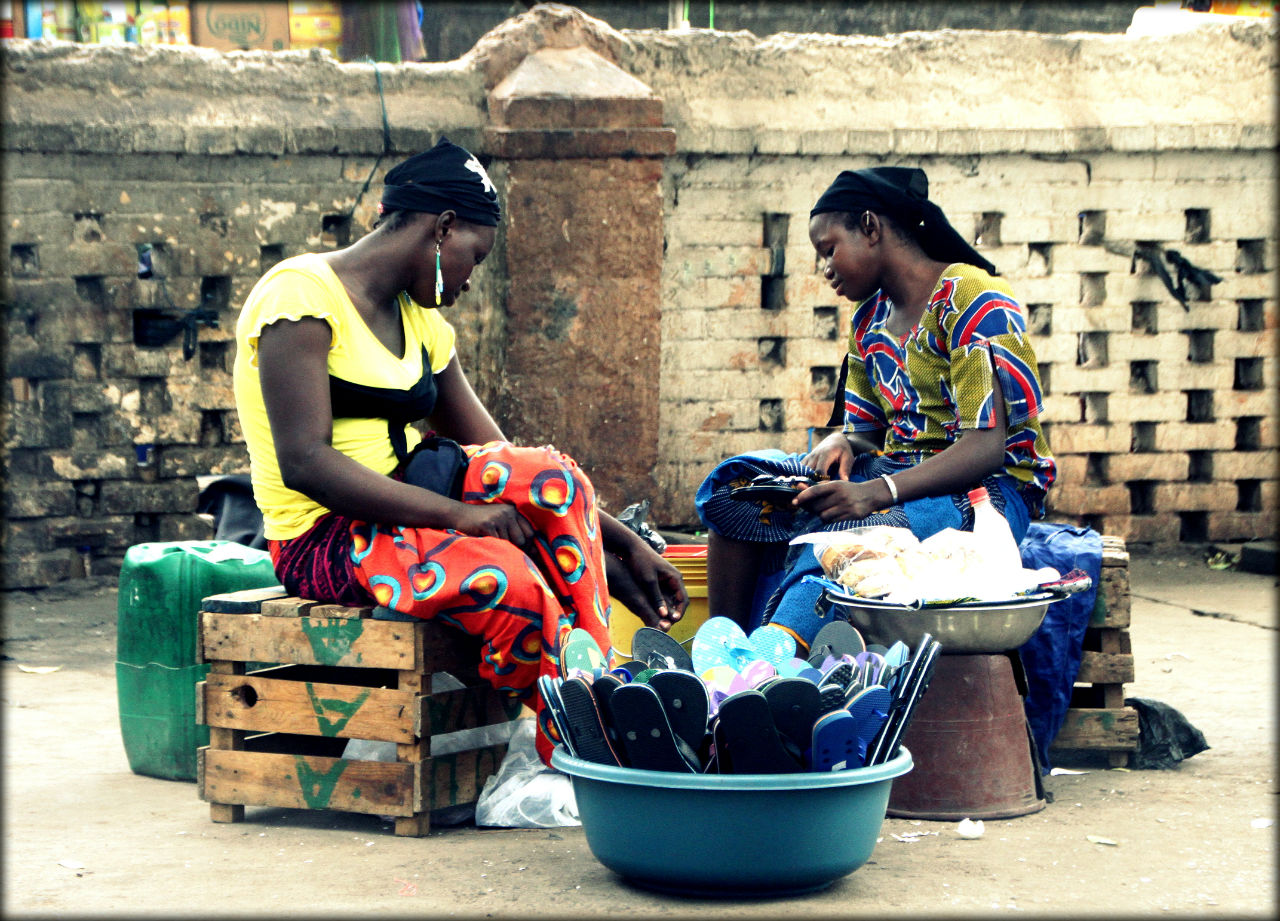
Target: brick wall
point(1060, 157)
point(1071, 153)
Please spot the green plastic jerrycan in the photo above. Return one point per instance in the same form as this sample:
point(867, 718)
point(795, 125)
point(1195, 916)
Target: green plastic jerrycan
point(161, 587)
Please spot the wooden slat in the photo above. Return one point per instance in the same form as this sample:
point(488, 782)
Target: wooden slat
point(1114, 551)
point(245, 601)
point(288, 607)
point(467, 708)
point(218, 812)
point(299, 782)
point(339, 610)
point(458, 778)
point(258, 704)
point(1115, 641)
point(1105, 668)
point(363, 643)
point(1112, 607)
point(1099, 730)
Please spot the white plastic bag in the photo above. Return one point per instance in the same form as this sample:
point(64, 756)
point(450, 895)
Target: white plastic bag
point(525, 793)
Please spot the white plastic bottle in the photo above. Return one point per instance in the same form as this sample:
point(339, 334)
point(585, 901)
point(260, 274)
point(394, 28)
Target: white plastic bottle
point(999, 548)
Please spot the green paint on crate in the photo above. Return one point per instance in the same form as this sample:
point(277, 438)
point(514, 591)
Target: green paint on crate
point(317, 788)
point(331, 638)
point(344, 708)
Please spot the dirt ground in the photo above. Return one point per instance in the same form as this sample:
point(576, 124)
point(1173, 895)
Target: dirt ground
point(83, 836)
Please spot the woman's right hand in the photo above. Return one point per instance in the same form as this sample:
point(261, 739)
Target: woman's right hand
point(496, 520)
point(833, 451)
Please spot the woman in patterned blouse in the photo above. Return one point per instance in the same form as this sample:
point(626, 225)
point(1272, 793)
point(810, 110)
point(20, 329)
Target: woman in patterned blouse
point(938, 395)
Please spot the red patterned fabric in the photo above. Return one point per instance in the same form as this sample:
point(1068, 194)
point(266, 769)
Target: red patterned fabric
point(522, 603)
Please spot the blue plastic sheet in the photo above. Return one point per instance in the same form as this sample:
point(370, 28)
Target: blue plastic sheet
point(1051, 658)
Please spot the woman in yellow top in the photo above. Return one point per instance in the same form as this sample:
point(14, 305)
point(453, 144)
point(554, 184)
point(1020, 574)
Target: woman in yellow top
point(337, 354)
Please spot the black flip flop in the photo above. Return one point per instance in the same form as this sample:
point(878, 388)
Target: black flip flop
point(602, 689)
point(830, 697)
point(779, 490)
point(840, 675)
point(686, 703)
point(793, 703)
point(752, 740)
point(885, 745)
point(659, 650)
point(838, 638)
point(586, 728)
point(646, 734)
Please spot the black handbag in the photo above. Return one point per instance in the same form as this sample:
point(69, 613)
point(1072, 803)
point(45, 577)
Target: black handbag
point(438, 464)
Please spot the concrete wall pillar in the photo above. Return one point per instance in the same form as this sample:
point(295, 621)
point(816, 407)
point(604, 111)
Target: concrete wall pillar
point(582, 144)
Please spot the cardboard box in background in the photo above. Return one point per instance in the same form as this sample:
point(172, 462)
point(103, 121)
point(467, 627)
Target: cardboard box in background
point(315, 25)
point(240, 26)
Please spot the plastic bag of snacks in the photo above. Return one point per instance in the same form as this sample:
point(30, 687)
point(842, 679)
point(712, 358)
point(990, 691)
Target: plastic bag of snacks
point(891, 564)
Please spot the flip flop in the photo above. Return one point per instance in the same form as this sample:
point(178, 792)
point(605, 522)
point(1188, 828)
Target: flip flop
point(602, 689)
point(720, 641)
point(830, 698)
point(779, 490)
point(720, 681)
point(834, 745)
point(793, 667)
point(659, 650)
point(793, 704)
point(627, 671)
point(757, 673)
point(870, 664)
point(916, 682)
point(752, 740)
point(840, 674)
point(641, 722)
point(548, 687)
point(719, 763)
point(772, 644)
point(686, 703)
point(581, 652)
point(838, 638)
point(870, 710)
point(585, 725)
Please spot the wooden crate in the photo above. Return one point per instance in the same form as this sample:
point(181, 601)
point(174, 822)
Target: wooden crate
point(1098, 720)
point(277, 732)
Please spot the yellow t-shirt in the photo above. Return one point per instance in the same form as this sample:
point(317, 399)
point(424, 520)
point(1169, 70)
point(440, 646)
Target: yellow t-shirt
point(305, 286)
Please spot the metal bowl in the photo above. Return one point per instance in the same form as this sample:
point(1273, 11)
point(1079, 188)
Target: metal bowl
point(969, 628)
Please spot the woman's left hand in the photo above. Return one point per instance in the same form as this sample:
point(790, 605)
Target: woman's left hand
point(648, 585)
point(841, 500)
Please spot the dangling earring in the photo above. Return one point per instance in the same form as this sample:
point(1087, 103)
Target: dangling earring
point(439, 278)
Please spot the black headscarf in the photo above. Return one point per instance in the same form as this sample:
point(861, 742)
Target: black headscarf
point(445, 178)
point(902, 193)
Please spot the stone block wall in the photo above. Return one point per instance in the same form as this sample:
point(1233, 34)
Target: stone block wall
point(1062, 161)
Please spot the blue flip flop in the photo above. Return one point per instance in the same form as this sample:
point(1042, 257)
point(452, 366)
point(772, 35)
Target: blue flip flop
point(834, 745)
point(870, 710)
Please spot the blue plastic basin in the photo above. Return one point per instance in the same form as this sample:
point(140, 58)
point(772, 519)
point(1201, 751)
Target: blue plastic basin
point(731, 835)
